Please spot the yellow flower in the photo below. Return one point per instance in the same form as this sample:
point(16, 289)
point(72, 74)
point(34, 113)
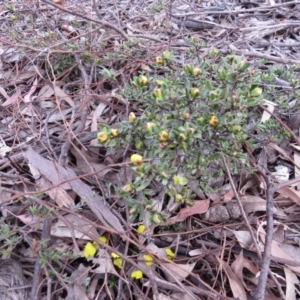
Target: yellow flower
point(170, 253)
point(103, 239)
point(213, 121)
point(136, 159)
point(137, 274)
point(118, 261)
point(102, 137)
point(148, 259)
point(114, 132)
point(89, 250)
point(141, 228)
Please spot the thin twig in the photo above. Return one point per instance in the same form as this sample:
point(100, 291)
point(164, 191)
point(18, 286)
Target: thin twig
point(260, 291)
point(35, 292)
point(241, 207)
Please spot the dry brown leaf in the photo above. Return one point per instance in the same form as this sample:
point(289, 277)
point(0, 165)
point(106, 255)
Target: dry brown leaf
point(104, 263)
point(243, 237)
point(291, 280)
point(13, 98)
point(58, 194)
point(45, 92)
point(177, 272)
point(291, 193)
point(181, 296)
point(254, 203)
point(57, 174)
point(76, 288)
point(237, 267)
point(278, 252)
point(236, 286)
point(266, 116)
point(199, 207)
point(297, 170)
point(27, 97)
point(249, 184)
point(75, 224)
point(3, 92)
point(61, 95)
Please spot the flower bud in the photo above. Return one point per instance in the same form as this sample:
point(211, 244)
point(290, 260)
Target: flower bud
point(128, 188)
point(133, 211)
point(102, 137)
point(194, 92)
point(234, 99)
point(190, 131)
point(157, 93)
point(159, 60)
point(159, 82)
point(167, 56)
point(213, 121)
point(222, 74)
point(143, 80)
point(186, 116)
point(243, 65)
point(236, 129)
point(181, 137)
point(256, 92)
point(201, 120)
point(114, 132)
point(197, 71)
point(213, 52)
point(139, 145)
point(156, 218)
point(150, 126)
point(178, 198)
point(188, 69)
point(136, 159)
point(163, 136)
point(265, 76)
point(213, 95)
point(132, 117)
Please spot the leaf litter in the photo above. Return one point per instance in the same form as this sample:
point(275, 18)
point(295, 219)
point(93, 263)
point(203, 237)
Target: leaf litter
point(49, 158)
